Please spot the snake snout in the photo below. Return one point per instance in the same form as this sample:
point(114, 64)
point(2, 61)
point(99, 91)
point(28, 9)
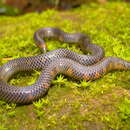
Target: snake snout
point(127, 64)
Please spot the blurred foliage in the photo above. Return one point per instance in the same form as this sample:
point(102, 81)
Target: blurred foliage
point(8, 10)
point(40, 5)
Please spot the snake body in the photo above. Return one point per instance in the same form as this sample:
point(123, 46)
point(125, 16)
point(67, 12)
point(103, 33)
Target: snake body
point(85, 67)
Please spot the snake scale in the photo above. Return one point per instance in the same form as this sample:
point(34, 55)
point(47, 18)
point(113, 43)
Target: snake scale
point(85, 67)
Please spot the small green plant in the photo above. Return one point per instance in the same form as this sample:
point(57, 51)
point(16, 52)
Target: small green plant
point(10, 108)
point(40, 103)
point(39, 107)
point(84, 84)
point(2, 103)
point(60, 80)
point(124, 109)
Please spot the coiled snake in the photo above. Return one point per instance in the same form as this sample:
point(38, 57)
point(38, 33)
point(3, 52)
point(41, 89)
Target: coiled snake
point(86, 67)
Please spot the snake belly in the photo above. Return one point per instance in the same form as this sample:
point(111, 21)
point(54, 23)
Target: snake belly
point(84, 67)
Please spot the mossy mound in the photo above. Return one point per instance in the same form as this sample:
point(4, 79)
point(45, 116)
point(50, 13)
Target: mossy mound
point(101, 104)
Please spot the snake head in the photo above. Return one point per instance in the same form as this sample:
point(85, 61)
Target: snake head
point(127, 65)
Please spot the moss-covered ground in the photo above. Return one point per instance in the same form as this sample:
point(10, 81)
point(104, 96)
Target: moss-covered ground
point(70, 104)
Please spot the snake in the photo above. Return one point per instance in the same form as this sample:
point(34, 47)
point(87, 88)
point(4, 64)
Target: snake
point(59, 61)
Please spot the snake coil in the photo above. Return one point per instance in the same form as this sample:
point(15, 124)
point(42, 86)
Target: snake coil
point(86, 67)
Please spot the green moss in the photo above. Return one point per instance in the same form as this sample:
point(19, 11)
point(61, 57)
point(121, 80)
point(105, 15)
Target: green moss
point(70, 104)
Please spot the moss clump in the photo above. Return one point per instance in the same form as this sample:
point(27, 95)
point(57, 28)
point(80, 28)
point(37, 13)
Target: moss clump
point(71, 104)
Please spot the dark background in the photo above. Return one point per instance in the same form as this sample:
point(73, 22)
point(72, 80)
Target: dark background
point(15, 7)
